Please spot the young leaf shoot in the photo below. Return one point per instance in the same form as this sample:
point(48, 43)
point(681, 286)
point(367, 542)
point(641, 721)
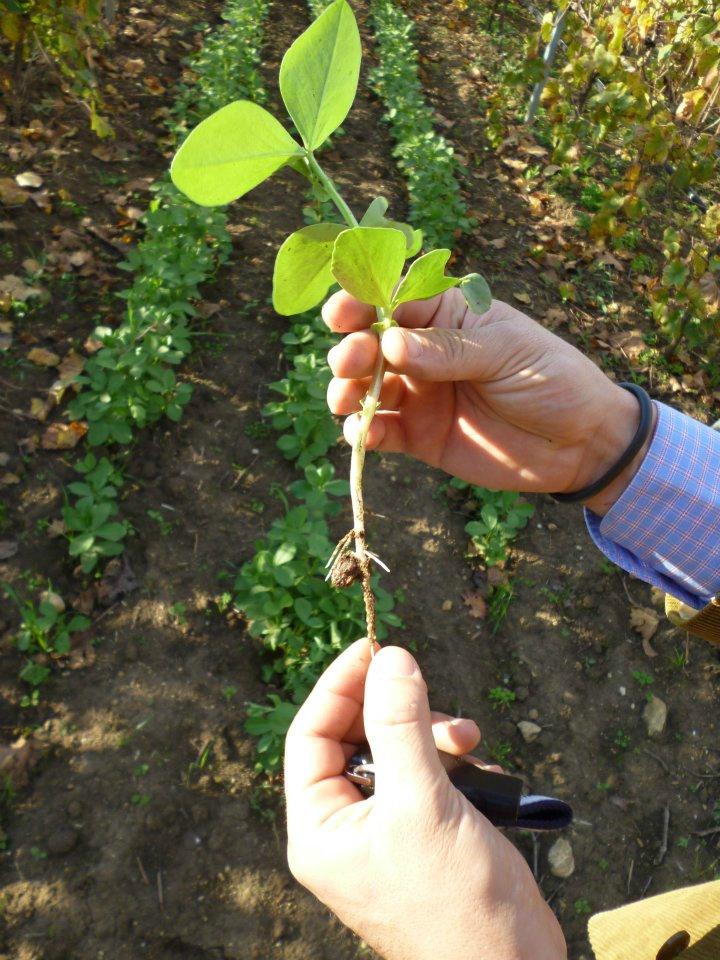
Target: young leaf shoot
point(242, 144)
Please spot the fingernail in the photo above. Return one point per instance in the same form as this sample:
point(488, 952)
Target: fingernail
point(393, 662)
point(331, 353)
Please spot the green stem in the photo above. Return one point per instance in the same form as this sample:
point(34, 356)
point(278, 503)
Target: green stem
point(345, 211)
point(369, 407)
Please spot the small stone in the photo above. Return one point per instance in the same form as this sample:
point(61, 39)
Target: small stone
point(29, 179)
point(561, 859)
point(552, 526)
point(533, 714)
point(62, 841)
point(447, 606)
point(655, 716)
point(530, 731)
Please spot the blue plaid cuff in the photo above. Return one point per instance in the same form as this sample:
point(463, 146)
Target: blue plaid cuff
point(665, 528)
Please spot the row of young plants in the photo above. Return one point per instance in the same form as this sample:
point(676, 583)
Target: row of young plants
point(424, 157)
point(433, 175)
point(130, 382)
point(631, 109)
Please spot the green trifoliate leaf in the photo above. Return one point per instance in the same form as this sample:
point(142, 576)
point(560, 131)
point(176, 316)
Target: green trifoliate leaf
point(319, 74)
point(425, 278)
point(476, 292)
point(302, 268)
point(416, 245)
point(374, 216)
point(231, 152)
point(368, 262)
point(675, 274)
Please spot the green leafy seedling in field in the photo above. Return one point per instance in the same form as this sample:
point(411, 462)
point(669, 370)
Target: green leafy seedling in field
point(241, 145)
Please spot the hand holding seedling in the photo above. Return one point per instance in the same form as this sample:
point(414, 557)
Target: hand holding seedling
point(242, 144)
point(416, 870)
point(496, 399)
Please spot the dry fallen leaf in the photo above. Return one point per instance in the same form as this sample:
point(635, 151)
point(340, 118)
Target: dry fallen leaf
point(70, 366)
point(133, 67)
point(476, 604)
point(29, 179)
point(645, 622)
point(11, 194)
point(513, 164)
point(555, 316)
point(8, 548)
point(16, 289)
point(499, 243)
point(63, 436)
point(40, 407)
point(56, 528)
point(92, 345)
point(9, 479)
point(629, 342)
point(80, 257)
point(154, 86)
point(43, 357)
point(523, 297)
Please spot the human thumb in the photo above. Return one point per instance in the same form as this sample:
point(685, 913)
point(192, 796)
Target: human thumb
point(398, 725)
point(436, 354)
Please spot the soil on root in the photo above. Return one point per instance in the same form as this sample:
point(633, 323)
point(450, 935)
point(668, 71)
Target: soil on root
point(144, 832)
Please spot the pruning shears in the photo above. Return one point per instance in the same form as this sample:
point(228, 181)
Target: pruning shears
point(498, 796)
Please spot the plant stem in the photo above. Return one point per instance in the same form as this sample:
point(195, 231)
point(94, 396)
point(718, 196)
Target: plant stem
point(369, 408)
point(345, 211)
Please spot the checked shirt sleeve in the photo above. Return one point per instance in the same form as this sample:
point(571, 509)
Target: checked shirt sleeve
point(665, 528)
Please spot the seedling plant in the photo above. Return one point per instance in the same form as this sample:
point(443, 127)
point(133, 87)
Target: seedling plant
point(241, 145)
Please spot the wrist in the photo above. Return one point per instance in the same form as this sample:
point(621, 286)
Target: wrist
point(608, 444)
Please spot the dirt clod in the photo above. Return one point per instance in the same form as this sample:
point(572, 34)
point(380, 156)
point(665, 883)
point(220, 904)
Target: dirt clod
point(346, 571)
point(62, 841)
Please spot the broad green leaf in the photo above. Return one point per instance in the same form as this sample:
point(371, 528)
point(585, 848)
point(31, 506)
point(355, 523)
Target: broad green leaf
point(425, 278)
point(284, 554)
point(231, 152)
point(368, 262)
point(675, 274)
point(302, 268)
point(374, 216)
point(319, 74)
point(476, 292)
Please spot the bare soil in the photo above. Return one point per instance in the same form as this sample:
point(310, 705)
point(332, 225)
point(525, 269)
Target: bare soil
point(121, 847)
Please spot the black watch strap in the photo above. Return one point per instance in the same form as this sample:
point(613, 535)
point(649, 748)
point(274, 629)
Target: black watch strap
point(643, 432)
